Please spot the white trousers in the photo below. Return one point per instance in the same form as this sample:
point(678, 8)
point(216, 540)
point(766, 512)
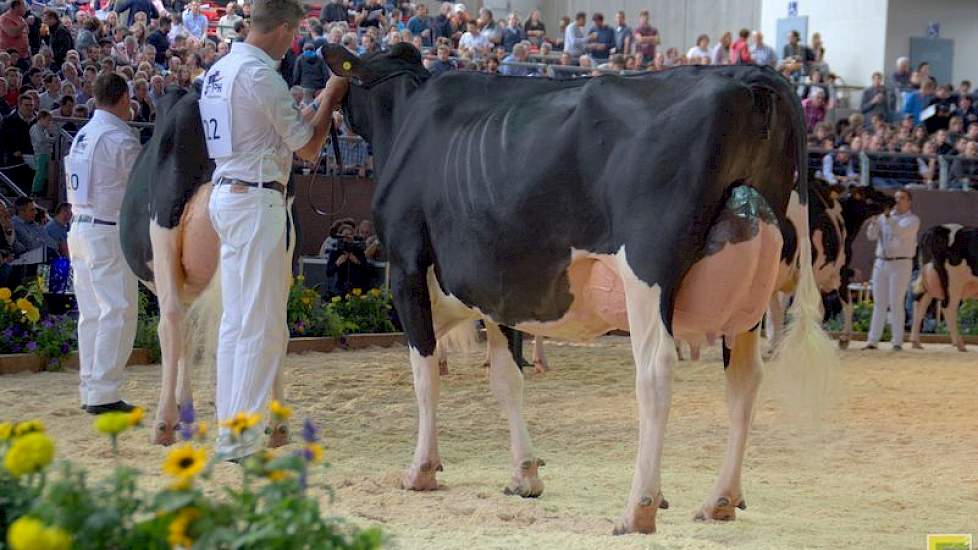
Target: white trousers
point(251, 224)
point(891, 281)
point(107, 295)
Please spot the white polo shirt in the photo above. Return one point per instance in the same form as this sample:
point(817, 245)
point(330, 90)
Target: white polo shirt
point(266, 126)
point(114, 155)
point(896, 235)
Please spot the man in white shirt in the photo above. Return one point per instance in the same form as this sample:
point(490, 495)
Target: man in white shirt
point(761, 53)
point(575, 37)
point(96, 171)
point(252, 127)
point(225, 27)
point(895, 234)
point(474, 40)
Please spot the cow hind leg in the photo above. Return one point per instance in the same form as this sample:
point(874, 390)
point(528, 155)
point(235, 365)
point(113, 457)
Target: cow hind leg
point(506, 382)
point(774, 325)
point(168, 278)
point(743, 380)
point(921, 304)
point(654, 351)
point(951, 318)
point(539, 360)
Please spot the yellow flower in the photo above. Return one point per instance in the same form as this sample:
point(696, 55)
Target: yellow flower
point(23, 304)
point(278, 475)
point(375, 292)
point(5, 294)
point(202, 430)
point(185, 462)
point(6, 431)
point(11, 306)
point(336, 299)
point(177, 532)
point(241, 422)
point(29, 453)
point(33, 314)
point(40, 281)
point(136, 416)
point(113, 423)
point(280, 411)
point(307, 301)
point(30, 426)
point(300, 278)
point(28, 533)
point(315, 452)
point(357, 291)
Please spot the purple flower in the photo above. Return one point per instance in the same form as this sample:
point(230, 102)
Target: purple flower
point(47, 323)
point(65, 348)
point(309, 431)
point(187, 420)
point(31, 347)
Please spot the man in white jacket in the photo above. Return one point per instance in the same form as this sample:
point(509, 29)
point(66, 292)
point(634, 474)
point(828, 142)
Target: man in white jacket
point(895, 233)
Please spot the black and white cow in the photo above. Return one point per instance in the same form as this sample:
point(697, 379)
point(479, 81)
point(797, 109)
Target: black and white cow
point(571, 208)
point(837, 214)
point(171, 246)
point(947, 257)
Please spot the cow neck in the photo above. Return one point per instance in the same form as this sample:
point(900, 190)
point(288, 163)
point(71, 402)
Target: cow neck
point(387, 107)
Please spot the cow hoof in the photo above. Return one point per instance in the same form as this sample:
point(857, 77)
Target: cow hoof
point(165, 434)
point(724, 509)
point(278, 436)
point(962, 348)
point(843, 344)
point(916, 345)
point(540, 367)
point(639, 517)
point(526, 481)
point(422, 477)
point(443, 368)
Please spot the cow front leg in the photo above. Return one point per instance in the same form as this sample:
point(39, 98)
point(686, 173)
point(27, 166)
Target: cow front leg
point(539, 360)
point(920, 306)
point(442, 359)
point(506, 382)
point(654, 350)
point(951, 318)
point(743, 381)
point(847, 311)
point(168, 278)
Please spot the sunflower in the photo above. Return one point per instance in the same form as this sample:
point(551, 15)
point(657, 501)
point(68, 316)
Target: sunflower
point(29, 453)
point(279, 411)
point(357, 291)
point(375, 292)
point(27, 427)
point(184, 462)
point(24, 304)
point(136, 416)
point(113, 423)
point(33, 314)
point(6, 429)
point(5, 294)
point(177, 534)
point(314, 453)
point(241, 422)
point(28, 533)
point(278, 475)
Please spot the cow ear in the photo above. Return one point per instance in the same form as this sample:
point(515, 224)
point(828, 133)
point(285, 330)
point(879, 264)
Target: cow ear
point(343, 63)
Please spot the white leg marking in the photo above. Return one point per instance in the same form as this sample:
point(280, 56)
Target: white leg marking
point(421, 475)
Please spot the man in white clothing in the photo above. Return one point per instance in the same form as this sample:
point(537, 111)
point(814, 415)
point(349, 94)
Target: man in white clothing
point(252, 127)
point(895, 233)
point(96, 170)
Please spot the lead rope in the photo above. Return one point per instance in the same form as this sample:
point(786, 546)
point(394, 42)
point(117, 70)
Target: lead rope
point(334, 137)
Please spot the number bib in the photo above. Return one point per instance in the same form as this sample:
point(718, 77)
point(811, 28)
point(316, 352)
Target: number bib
point(77, 180)
point(215, 115)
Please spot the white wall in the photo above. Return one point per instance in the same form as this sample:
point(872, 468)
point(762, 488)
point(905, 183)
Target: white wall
point(959, 22)
point(853, 32)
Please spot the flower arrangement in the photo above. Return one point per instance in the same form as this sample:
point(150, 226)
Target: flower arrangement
point(275, 507)
point(368, 312)
point(309, 316)
point(24, 329)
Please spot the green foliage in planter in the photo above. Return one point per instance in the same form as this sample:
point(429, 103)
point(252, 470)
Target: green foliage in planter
point(369, 311)
point(309, 316)
point(147, 326)
point(967, 319)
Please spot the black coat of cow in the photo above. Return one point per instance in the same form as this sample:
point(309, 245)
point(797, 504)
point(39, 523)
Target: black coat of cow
point(494, 180)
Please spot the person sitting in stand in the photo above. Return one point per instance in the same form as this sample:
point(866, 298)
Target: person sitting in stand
point(347, 264)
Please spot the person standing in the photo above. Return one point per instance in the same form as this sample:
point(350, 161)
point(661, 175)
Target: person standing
point(895, 233)
point(252, 127)
point(96, 171)
point(13, 34)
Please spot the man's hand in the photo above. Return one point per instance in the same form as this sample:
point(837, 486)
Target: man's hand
point(353, 258)
point(343, 257)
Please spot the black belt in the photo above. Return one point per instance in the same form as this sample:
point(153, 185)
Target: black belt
point(260, 185)
point(91, 219)
point(892, 259)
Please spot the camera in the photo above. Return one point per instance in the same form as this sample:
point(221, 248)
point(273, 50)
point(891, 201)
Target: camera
point(350, 246)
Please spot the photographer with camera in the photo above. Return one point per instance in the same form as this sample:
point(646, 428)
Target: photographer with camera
point(347, 263)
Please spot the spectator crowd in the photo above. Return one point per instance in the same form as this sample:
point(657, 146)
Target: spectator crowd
point(51, 53)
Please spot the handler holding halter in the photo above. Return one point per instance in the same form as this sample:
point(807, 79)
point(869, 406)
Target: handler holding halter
point(252, 128)
point(96, 170)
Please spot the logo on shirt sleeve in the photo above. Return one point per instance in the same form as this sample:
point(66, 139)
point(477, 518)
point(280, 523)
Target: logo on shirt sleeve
point(213, 83)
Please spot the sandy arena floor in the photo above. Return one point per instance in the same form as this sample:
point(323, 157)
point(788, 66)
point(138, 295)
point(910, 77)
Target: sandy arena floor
point(899, 461)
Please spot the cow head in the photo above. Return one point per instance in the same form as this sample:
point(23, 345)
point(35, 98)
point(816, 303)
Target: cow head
point(860, 204)
point(378, 83)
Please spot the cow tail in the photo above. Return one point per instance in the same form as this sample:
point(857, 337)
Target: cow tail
point(201, 328)
point(806, 365)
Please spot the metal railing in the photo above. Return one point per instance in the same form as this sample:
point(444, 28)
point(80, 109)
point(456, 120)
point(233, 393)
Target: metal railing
point(886, 169)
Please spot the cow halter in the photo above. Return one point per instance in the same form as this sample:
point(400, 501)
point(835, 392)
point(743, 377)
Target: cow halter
point(371, 83)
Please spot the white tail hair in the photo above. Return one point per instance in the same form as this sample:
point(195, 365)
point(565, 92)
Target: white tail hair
point(463, 337)
point(201, 326)
point(806, 364)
